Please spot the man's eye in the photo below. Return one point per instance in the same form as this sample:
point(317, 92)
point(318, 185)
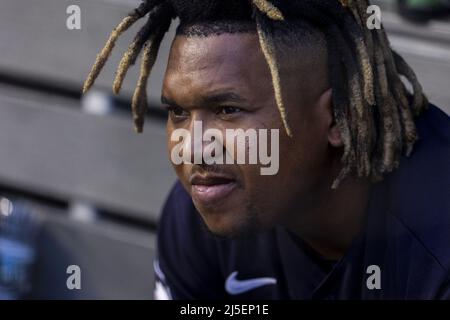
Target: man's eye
point(227, 110)
point(177, 111)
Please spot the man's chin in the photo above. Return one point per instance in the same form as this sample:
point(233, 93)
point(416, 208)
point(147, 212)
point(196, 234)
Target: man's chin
point(230, 224)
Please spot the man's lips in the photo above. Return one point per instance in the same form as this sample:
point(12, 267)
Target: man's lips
point(210, 188)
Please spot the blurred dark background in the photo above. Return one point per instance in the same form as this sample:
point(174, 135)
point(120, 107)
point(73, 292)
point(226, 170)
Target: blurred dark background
point(77, 185)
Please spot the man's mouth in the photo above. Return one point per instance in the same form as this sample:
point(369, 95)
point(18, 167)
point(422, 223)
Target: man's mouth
point(210, 188)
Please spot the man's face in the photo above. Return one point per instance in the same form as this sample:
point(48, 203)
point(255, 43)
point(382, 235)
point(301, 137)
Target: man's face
point(224, 81)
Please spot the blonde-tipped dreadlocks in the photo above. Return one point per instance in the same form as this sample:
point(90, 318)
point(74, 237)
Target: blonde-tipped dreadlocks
point(126, 23)
point(151, 34)
point(372, 106)
point(268, 48)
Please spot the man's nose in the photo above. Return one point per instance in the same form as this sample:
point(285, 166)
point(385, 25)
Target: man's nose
point(205, 141)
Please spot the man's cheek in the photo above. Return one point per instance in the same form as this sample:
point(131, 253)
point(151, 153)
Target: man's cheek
point(170, 145)
point(181, 172)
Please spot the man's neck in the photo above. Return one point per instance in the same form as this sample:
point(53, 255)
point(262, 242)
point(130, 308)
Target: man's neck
point(333, 223)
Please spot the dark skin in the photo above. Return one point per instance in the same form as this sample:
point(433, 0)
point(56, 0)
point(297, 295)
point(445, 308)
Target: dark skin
point(225, 82)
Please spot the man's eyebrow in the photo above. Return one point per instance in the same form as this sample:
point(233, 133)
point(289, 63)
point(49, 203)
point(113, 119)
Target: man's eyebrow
point(223, 97)
point(215, 98)
point(167, 101)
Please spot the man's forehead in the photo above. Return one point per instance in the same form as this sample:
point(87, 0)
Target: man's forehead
point(236, 60)
point(215, 62)
point(211, 51)
point(241, 49)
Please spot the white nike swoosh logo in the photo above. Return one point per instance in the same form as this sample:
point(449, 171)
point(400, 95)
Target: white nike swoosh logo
point(234, 286)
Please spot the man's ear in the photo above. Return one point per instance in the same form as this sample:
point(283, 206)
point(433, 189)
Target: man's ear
point(326, 105)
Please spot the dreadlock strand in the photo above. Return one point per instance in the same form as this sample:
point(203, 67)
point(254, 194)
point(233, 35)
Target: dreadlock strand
point(395, 101)
point(399, 66)
point(104, 54)
point(268, 49)
point(365, 65)
point(150, 53)
point(377, 168)
point(362, 143)
point(407, 120)
point(355, 11)
point(339, 106)
point(420, 101)
point(356, 36)
point(364, 61)
point(341, 176)
point(409, 127)
point(268, 9)
point(389, 117)
point(139, 100)
point(339, 98)
point(357, 103)
point(361, 11)
point(106, 51)
point(130, 56)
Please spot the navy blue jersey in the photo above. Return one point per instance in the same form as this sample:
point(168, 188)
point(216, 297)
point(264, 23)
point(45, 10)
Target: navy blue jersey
point(403, 252)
